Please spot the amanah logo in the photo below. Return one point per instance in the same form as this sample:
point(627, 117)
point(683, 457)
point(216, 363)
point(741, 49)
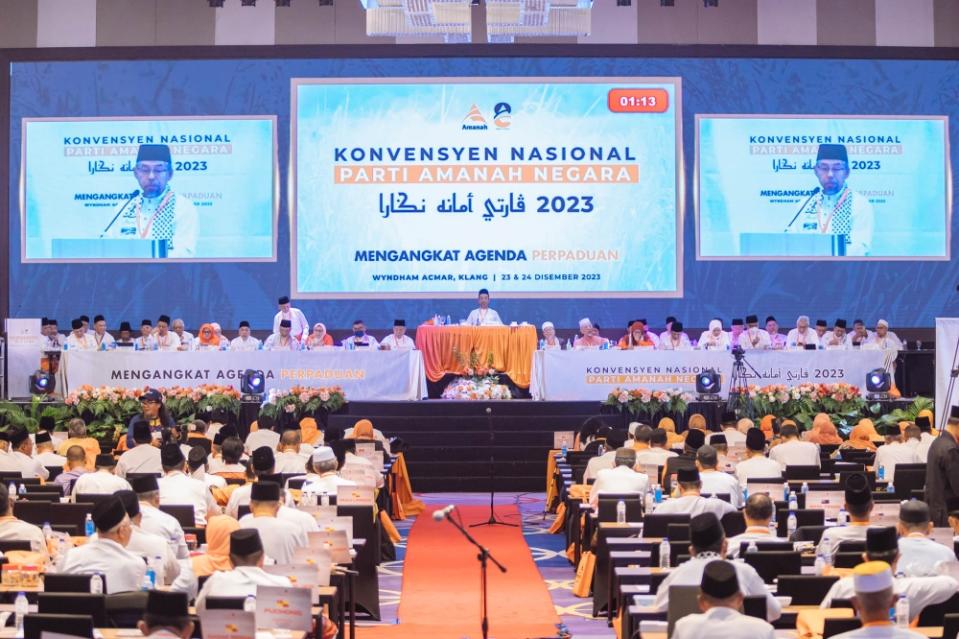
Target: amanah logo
point(502, 116)
point(474, 120)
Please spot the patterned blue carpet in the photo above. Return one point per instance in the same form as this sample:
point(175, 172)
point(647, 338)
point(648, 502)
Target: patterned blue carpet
point(547, 551)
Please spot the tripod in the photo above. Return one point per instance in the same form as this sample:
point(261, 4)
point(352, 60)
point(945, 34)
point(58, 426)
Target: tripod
point(739, 382)
point(947, 405)
point(484, 557)
point(492, 521)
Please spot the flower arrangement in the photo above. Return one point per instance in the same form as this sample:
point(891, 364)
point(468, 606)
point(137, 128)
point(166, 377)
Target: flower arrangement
point(480, 381)
point(191, 403)
point(648, 403)
point(842, 402)
point(300, 401)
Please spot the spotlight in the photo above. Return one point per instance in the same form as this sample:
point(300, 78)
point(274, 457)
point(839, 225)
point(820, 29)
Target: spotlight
point(282, 3)
point(247, 3)
point(667, 3)
point(215, 4)
point(624, 3)
point(878, 383)
point(708, 384)
point(42, 383)
point(710, 3)
point(252, 383)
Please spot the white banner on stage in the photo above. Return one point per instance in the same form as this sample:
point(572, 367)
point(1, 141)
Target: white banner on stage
point(591, 375)
point(947, 337)
point(363, 375)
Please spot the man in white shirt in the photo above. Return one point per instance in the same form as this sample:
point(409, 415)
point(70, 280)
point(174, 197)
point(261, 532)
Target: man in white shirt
point(619, 479)
point(893, 452)
point(247, 556)
point(674, 338)
point(721, 599)
point(283, 339)
point(78, 340)
point(881, 545)
point(715, 482)
point(614, 440)
point(798, 338)
point(360, 339)
point(757, 513)
point(103, 340)
point(735, 431)
point(484, 315)
point(280, 538)
point(858, 505)
point(144, 457)
point(397, 340)
point(108, 555)
point(707, 543)
point(925, 438)
point(187, 339)
point(289, 459)
point(103, 481)
point(147, 340)
point(754, 338)
point(883, 338)
point(148, 545)
point(52, 339)
point(756, 464)
point(166, 616)
point(835, 340)
point(197, 466)
point(920, 556)
point(657, 453)
point(20, 458)
point(299, 327)
point(875, 593)
point(156, 521)
point(859, 336)
point(327, 480)
point(165, 339)
point(45, 454)
point(793, 452)
point(690, 502)
point(176, 487)
point(13, 529)
point(245, 343)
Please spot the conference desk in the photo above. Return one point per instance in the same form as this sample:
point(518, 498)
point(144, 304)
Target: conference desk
point(511, 347)
point(363, 375)
point(590, 375)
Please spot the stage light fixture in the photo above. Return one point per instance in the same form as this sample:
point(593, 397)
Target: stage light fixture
point(708, 384)
point(247, 3)
point(878, 383)
point(42, 383)
point(215, 4)
point(624, 3)
point(253, 382)
point(710, 3)
point(282, 3)
point(667, 3)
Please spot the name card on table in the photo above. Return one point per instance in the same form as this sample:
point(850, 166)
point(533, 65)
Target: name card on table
point(563, 438)
point(367, 450)
point(354, 495)
point(286, 608)
point(884, 514)
point(360, 475)
point(331, 541)
point(829, 501)
point(337, 523)
point(775, 491)
point(227, 624)
point(306, 575)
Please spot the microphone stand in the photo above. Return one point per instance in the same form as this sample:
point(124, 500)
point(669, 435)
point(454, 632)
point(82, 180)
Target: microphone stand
point(492, 521)
point(122, 208)
point(484, 557)
point(815, 192)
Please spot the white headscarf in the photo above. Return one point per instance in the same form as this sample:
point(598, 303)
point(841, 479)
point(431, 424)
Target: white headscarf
point(714, 324)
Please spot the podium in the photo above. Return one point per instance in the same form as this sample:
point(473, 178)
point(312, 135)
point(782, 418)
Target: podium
point(108, 248)
point(792, 245)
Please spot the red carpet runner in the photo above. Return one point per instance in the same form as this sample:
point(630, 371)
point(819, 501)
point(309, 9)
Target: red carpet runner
point(441, 583)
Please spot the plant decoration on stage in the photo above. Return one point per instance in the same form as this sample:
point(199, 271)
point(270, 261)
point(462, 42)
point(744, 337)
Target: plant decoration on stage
point(642, 402)
point(842, 402)
point(480, 381)
point(28, 415)
point(302, 401)
point(107, 409)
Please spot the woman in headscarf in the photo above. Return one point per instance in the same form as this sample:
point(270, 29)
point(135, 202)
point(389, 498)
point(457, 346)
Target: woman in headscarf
point(697, 421)
point(207, 339)
point(636, 337)
point(668, 425)
point(319, 337)
point(714, 338)
point(824, 431)
point(766, 425)
point(550, 341)
point(217, 557)
point(862, 435)
point(925, 412)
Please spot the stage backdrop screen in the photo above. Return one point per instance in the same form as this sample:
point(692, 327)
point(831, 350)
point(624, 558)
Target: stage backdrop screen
point(86, 198)
point(863, 187)
point(547, 187)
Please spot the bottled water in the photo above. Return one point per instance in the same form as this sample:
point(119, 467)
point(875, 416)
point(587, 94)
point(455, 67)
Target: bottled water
point(842, 518)
point(12, 490)
point(752, 547)
point(325, 499)
point(542, 344)
point(96, 584)
point(621, 512)
point(249, 604)
point(158, 570)
point(902, 611)
point(88, 528)
point(448, 320)
point(649, 502)
point(820, 565)
point(791, 524)
point(47, 531)
point(658, 494)
point(881, 473)
point(786, 491)
point(890, 488)
point(22, 490)
point(793, 501)
point(569, 344)
point(805, 489)
point(150, 578)
point(664, 553)
point(564, 451)
point(745, 494)
point(20, 610)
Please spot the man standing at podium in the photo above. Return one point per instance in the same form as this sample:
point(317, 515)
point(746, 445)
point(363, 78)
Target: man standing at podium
point(157, 213)
point(837, 209)
point(484, 315)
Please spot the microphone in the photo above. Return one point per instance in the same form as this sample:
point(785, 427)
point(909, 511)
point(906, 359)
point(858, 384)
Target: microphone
point(442, 513)
point(815, 192)
point(136, 192)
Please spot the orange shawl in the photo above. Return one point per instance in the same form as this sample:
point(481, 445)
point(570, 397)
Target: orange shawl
point(217, 557)
point(824, 431)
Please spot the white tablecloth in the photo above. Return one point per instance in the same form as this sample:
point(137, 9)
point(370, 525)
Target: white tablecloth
point(363, 375)
point(591, 374)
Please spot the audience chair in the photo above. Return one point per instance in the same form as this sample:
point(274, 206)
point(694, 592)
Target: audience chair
point(62, 582)
point(771, 564)
point(74, 625)
point(805, 590)
point(74, 604)
point(804, 517)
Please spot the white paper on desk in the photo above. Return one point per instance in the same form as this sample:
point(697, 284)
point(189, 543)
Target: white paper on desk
point(316, 573)
point(367, 450)
point(354, 495)
point(829, 501)
point(330, 541)
point(884, 514)
point(774, 491)
point(287, 608)
point(362, 476)
point(338, 523)
point(227, 624)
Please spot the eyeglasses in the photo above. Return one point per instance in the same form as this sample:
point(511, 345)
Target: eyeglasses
point(158, 171)
point(826, 168)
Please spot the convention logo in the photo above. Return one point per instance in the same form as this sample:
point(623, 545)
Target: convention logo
point(502, 116)
point(474, 120)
